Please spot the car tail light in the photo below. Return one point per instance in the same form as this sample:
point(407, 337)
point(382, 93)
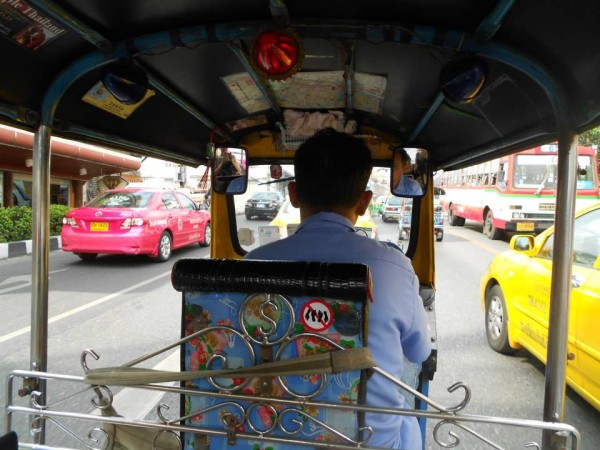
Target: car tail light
point(132, 222)
point(70, 221)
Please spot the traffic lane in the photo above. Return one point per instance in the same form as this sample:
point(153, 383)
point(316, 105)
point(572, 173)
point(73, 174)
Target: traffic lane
point(501, 385)
point(77, 284)
point(119, 325)
point(463, 353)
point(126, 329)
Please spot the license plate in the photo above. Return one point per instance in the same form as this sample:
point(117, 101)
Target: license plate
point(525, 226)
point(99, 226)
point(260, 205)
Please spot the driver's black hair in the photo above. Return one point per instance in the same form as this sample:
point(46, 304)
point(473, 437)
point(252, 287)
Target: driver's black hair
point(331, 169)
point(404, 156)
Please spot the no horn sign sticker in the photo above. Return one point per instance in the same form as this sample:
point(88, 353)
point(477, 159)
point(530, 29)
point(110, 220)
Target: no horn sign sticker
point(316, 315)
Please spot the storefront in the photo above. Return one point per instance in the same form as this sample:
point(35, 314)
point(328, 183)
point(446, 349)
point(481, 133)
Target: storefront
point(72, 165)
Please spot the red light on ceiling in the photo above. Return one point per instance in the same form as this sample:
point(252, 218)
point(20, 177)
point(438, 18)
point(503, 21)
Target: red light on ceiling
point(276, 54)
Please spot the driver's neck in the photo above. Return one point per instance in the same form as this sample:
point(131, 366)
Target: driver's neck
point(348, 212)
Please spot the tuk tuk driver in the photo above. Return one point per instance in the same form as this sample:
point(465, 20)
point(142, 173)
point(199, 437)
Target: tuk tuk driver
point(403, 182)
point(331, 173)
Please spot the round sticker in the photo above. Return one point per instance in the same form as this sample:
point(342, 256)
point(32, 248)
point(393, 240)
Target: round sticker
point(316, 315)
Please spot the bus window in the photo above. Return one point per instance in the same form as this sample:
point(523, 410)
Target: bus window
point(585, 173)
point(535, 171)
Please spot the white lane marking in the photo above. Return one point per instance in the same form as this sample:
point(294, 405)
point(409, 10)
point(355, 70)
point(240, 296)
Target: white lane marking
point(23, 280)
point(81, 308)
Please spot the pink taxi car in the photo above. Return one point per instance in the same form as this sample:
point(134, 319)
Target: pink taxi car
point(135, 221)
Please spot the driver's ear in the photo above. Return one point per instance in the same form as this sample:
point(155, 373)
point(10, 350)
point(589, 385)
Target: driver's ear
point(292, 194)
point(363, 202)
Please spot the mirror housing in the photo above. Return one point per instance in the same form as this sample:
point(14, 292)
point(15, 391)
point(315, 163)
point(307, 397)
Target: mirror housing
point(522, 243)
point(410, 172)
point(230, 171)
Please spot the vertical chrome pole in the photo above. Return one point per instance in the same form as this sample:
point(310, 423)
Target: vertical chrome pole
point(39, 272)
point(561, 288)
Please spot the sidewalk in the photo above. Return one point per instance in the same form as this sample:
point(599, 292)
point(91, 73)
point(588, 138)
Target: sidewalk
point(20, 248)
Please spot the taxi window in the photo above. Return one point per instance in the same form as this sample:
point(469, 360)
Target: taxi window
point(169, 201)
point(586, 240)
point(186, 202)
point(586, 245)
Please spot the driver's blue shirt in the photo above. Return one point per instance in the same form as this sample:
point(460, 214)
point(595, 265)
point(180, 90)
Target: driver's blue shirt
point(397, 319)
point(408, 186)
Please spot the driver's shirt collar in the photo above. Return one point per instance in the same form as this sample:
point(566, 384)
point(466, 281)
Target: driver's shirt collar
point(326, 219)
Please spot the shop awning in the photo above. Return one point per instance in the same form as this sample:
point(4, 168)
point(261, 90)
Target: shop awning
point(131, 178)
point(69, 159)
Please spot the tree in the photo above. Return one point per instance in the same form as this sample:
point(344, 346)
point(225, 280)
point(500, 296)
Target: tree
point(590, 138)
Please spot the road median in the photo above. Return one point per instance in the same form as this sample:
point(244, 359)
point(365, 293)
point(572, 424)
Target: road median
point(21, 248)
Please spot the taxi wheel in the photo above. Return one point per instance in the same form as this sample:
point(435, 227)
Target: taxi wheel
point(165, 247)
point(207, 236)
point(496, 321)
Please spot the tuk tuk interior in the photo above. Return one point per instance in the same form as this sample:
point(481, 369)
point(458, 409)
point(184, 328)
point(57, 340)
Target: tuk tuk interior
point(180, 80)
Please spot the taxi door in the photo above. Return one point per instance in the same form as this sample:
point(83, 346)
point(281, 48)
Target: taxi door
point(586, 308)
point(189, 217)
point(586, 303)
point(533, 307)
point(175, 218)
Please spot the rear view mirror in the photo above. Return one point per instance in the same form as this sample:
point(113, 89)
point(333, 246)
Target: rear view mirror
point(230, 171)
point(410, 172)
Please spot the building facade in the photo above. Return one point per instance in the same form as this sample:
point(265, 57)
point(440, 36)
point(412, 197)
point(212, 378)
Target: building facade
point(72, 166)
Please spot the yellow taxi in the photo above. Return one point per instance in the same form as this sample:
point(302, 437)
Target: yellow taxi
point(288, 220)
point(515, 294)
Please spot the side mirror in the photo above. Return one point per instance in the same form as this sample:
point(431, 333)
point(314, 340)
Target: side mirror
point(230, 171)
point(521, 243)
point(410, 172)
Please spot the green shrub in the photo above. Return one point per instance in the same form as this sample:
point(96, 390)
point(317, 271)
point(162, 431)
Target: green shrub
point(16, 222)
point(57, 212)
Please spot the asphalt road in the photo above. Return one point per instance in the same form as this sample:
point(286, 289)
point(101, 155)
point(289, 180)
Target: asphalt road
point(123, 307)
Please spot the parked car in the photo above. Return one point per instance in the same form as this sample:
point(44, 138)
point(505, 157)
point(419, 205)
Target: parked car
point(135, 221)
point(515, 294)
point(263, 204)
point(392, 208)
point(288, 220)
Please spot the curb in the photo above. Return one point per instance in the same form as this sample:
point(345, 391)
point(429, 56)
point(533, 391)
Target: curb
point(21, 248)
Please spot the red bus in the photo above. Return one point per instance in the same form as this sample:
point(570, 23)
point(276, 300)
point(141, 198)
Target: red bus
point(516, 192)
